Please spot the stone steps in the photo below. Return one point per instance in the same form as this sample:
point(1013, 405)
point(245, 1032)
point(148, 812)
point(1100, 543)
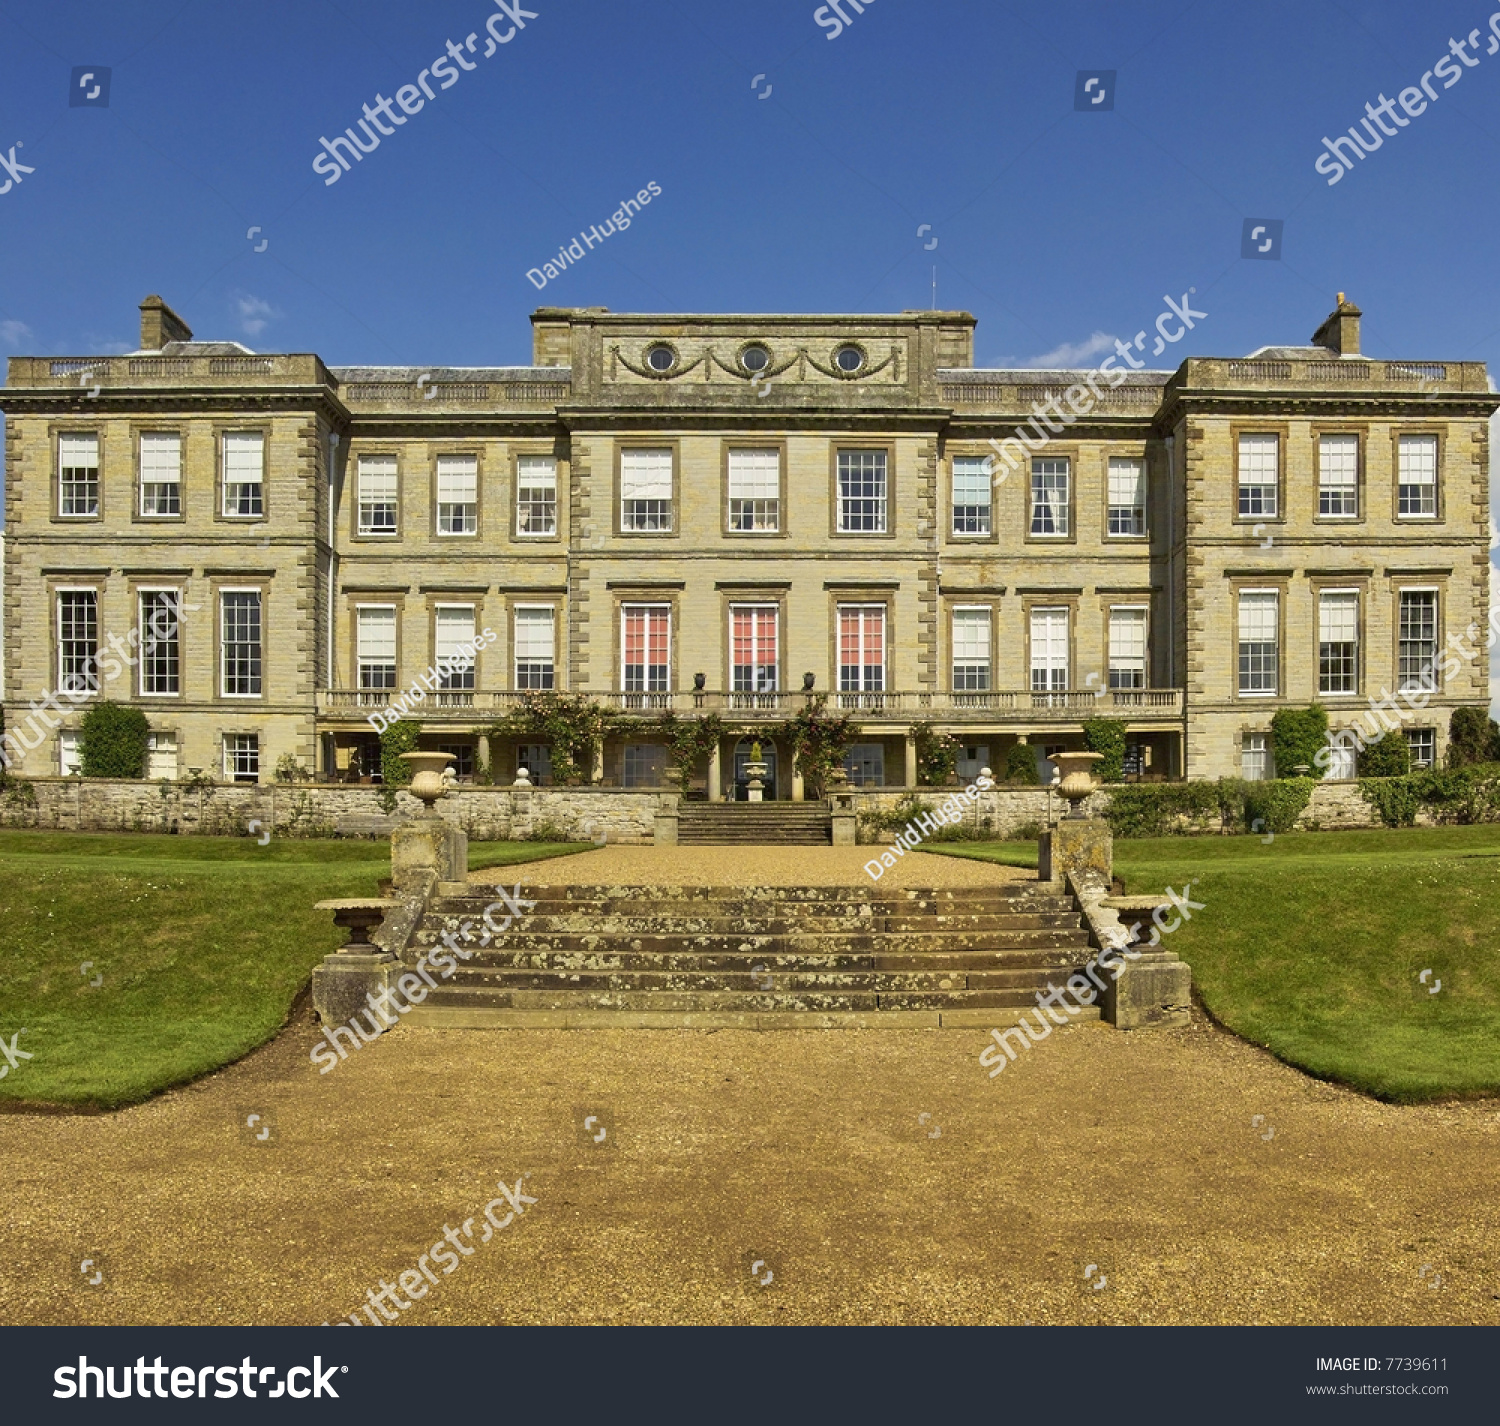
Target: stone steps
point(738, 955)
point(709, 824)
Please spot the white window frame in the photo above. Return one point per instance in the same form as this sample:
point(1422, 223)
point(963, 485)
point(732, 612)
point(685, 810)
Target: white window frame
point(874, 507)
point(1427, 481)
point(457, 680)
point(360, 660)
point(62, 675)
point(1345, 491)
point(1428, 734)
point(1141, 615)
point(257, 482)
point(69, 752)
point(167, 479)
point(980, 616)
point(648, 605)
point(1263, 753)
point(456, 519)
point(1050, 616)
point(1342, 595)
point(641, 471)
point(1045, 474)
point(154, 747)
point(90, 486)
point(387, 468)
point(142, 593)
point(260, 597)
point(867, 612)
point(1432, 662)
point(1258, 499)
point(757, 662)
point(536, 497)
point(515, 664)
point(229, 770)
point(753, 497)
point(979, 514)
point(1274, 595)
point(1117, 512)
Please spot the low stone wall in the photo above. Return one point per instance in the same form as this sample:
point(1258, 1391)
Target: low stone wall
point(487, 814)
point(490, 814)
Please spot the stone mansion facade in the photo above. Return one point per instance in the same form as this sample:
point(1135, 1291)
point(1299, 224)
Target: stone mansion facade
point(721, 513)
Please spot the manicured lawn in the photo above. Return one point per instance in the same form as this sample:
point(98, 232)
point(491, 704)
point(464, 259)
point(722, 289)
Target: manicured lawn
point(1313, 945)
point(203, 943)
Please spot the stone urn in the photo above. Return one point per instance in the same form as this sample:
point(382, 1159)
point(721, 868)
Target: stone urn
point(427, 778)
point(756, 771)
point(1076, 778)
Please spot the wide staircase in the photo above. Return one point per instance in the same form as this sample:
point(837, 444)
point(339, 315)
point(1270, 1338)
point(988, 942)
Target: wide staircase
point(775, 957)
point(762, 824)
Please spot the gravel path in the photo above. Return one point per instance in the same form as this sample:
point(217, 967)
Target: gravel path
point(754, 866)
point(879, 1176)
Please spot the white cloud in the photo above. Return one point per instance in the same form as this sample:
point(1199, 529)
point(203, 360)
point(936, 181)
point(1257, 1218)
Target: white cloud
point(1072, 354)
point(255, 314)
point(13, 333)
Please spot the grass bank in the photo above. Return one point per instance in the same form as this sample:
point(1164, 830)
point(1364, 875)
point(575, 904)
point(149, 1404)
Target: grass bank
point(199, 946)
point(1314, 945)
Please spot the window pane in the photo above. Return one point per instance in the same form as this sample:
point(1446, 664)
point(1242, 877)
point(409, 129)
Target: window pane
point(1127, 648)
point(1338, 475)
point(646, 643)
point(1417, 490)
point(377, 495)
point(1417, 636)
point(78, 475)
point(242, 757)
point(754, 490)
point(862, 491)
point(753, 664)
point(160, 622)
point(1258, 621)
point(376, 651)
point(458, 495)
point(971, 650)
point(78, 640)
point(244, 465)
point(1049, 650)
point(1127, 497)
point(161, 473)
point(861, 648)
point(536, 495)
point(453, 644)
point(241, 642)
point(1049, 497)
point(972, 487)
point(1255, 757)
point(535, 644)
point(1258, 475)
point(1338, 635)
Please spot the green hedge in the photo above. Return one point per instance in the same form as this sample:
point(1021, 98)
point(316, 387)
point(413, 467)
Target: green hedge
point(1020, 765)
point(1298, 735)
point(1107, 736)
point(1462, 796)
point(113, 741)
point(1168, 809)
point(1387, 756)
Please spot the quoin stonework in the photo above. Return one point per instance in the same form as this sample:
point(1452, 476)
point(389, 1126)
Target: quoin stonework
point(735, 513)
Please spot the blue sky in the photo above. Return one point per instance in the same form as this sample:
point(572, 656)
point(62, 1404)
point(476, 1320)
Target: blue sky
point(1056, 228)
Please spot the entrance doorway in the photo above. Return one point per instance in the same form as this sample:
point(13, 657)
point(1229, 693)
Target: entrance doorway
point(742, 783)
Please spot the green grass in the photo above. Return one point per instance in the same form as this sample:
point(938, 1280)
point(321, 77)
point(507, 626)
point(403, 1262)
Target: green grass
point(1312, 945)
point(203, 944)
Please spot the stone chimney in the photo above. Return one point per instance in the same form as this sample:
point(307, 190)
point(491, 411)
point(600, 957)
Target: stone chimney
point(1340, 329)
point(160, 325)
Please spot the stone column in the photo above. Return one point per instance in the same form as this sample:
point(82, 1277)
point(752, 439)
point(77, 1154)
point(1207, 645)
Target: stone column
point(715, 774)
point(911, 761)
point(597, 775)
point(483, 753)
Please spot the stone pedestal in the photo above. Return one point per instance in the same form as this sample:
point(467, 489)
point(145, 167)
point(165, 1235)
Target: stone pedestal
point(845, 823)
point(665, 831)
point(1154, 990)
point(427, 847)
point(341, 984)
point(1077, 845)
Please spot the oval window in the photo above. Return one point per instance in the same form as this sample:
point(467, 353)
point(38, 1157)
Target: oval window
point(661, 358)
point(755, 358)
point(849, 359)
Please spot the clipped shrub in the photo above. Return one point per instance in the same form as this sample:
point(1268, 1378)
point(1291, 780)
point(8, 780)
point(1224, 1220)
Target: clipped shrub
point(1277, 803)
point(1107, 736)
point(1020, 765)
point(1473, 737)
point(113, 741)
point(1463, 796)
point(1388, 756)
point(1161, 809)
point(1297, 736)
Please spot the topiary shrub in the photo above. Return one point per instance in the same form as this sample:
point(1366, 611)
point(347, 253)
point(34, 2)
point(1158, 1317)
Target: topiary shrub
point(1297, 736)
point(1020, 765)
point(1473, 737)
point(1161, 809)
point(1107, 736)
point(113, 741)
point(400, 737)
point(1388, 756)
